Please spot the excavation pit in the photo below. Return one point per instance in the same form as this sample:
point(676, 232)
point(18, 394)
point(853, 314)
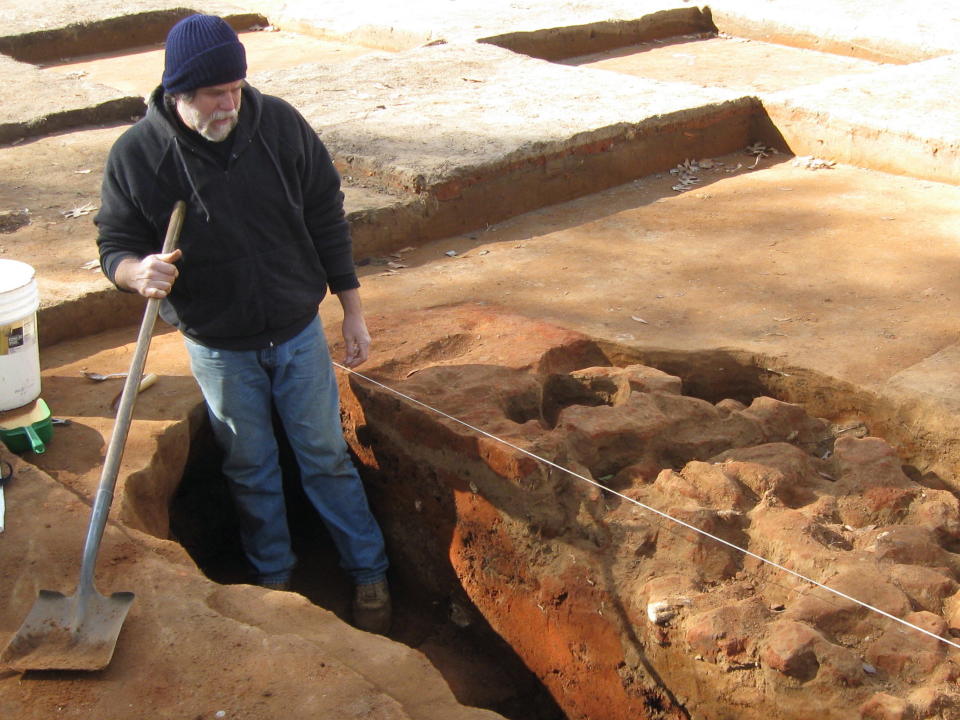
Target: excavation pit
point(590, 538)
point(652, 600)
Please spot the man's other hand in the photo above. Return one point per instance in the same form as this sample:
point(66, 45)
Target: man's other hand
point(356, 339)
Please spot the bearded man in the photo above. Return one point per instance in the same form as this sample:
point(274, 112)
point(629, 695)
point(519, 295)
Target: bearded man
point(264, 235)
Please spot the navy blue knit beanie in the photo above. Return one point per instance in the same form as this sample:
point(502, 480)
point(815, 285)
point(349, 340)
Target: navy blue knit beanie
point(202, 50)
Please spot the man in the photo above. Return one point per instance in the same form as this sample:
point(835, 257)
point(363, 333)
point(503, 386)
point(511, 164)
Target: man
point(264, 234)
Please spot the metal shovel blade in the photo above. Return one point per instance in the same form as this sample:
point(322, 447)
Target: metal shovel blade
point(75, 632)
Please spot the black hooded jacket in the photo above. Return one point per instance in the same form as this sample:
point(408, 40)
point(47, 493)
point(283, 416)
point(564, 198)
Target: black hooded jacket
point(264, 233)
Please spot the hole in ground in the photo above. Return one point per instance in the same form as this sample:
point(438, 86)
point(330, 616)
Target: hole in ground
point(480, 668)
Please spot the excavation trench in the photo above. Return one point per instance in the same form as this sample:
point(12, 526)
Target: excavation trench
point(539, 595)
point(480, 668)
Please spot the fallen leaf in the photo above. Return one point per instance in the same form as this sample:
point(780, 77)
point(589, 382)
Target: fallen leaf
point(78, 211)
point(812, 163)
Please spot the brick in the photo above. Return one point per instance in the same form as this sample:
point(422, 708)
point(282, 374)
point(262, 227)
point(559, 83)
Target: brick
point(886, 707)
point(790, 649)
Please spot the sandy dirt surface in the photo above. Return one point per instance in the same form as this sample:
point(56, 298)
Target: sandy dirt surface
point(779, 260)
point(752, 66)
point(800, 269)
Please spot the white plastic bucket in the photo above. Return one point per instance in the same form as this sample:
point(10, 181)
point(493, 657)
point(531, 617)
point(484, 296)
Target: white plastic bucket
point(19, 351)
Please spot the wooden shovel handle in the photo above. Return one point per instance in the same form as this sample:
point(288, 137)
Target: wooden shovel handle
point(121, 428)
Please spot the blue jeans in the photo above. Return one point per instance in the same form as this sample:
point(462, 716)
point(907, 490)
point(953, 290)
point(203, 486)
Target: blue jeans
point(297, 378)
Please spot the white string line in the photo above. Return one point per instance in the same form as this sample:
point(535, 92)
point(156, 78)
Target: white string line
point(662, 514)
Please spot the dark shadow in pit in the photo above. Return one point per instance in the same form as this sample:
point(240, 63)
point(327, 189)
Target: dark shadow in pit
point(479, 667)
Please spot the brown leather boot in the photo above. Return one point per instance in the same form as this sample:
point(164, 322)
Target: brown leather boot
point(371, 607)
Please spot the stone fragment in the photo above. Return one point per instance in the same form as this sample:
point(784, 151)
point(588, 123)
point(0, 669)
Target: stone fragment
point(926, 587)
point(929, 702)
point(707, 485)
point(706, 559)
point(597, 385)
point(669, 430)
point(907, 545)
point(938, 510)
point(800, 652)
point(872, 486)
point(606, 439)
point(886, 707)
point(932, 623)
point(908, 654)
point(951, 611)
point(880, 505)
point(636, 474)
point(832, 613)
point(634, 529)
point(790, 538)
point(840, 666)
point(948, 672)
point(786, 422)
point(823, 510)
point(729, 405)
point(669, 586)
point(779, 469)
point(868, 461)
point(698, 431)
point(647, 379)
point(869, 468)
point(790, 649)
point(727, 634)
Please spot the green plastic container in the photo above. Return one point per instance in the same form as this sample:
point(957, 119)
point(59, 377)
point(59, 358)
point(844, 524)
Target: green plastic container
point(27, 428)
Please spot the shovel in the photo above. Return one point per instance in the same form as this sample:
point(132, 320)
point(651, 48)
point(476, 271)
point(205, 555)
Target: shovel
point(79, 631)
